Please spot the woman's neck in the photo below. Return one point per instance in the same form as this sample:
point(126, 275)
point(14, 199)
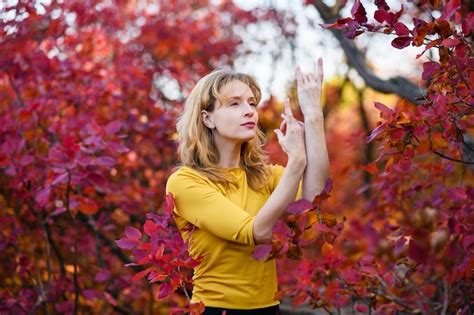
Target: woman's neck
point(229, 154)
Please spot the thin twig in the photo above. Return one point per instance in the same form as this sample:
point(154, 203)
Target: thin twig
point(445, 298)
point(452, 159)
point(76, 285)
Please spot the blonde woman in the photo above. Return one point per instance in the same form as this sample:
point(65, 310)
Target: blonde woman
point(225, 189)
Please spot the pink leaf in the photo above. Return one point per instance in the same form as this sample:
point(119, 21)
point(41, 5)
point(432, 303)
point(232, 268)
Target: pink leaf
point(113, 127)
point(169, 203)
point(165, 290)
point(322, 227)
point(299, 206)
point(449, 9)
point(42, 197)
point(450, 42)
point(115, 147)
point(262, 251)
point(429, 68)
point(103, 275)
point(61, 178)
point(133, 233)
point(375, 133)
point(90, 294)
point(105, 161)
point(126, 243)
point(110, 298)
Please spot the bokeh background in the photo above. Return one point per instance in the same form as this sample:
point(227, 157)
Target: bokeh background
point(89, 94)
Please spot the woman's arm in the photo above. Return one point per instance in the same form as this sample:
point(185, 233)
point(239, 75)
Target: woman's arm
point(309, 96)
point(291, 139)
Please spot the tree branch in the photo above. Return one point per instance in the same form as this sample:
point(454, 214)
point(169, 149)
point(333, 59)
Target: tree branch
point(397, 85)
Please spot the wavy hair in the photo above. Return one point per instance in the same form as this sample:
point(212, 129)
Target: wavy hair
point(196, 143)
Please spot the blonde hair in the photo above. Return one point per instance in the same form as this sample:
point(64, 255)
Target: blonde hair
point(196, 143)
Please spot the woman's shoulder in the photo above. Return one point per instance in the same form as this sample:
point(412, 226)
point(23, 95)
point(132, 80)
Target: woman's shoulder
point(185, 173)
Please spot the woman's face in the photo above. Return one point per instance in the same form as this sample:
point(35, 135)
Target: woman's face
point(235, 117)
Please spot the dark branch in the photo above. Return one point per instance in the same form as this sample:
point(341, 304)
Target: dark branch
point(397, 85)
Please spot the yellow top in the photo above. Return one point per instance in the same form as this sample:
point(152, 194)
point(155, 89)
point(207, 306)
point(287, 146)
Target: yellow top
point(228, 276)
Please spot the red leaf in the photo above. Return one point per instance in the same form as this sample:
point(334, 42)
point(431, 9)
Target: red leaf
point(299, 206)
point(401, 29)
point(169, 203)
point(381, 16)
point(385, 112)
point(450, 42)
point(140, 275)
point(133, 233)
point(42, 197)
point(149, 227)
point(262, 251)
point(449, 9)
point(401, 42)
point(87, 206)
point(165, 290)
point(417, 251)
point(361, 308)
point(430, 68)
point(382, 5)
point(358, 12)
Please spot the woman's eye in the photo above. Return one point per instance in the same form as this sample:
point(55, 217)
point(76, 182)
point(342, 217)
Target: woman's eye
point(234, 104)
point(253, 104)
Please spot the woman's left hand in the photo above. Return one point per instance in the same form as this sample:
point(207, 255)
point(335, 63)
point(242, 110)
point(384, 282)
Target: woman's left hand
point(309, 91)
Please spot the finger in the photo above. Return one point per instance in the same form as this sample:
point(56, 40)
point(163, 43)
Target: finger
point(283, 126)
point(320, 69)
point(299, 76)
point(279, 134)
point(288, 111)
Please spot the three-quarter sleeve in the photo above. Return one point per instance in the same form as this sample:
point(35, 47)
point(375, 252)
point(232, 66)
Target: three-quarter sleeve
point(202, 205)
point(277, 173)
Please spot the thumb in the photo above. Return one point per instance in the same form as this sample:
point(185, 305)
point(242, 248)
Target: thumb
point(279, 134)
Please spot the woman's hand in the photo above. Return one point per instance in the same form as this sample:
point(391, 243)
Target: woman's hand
point(309, 92)
point(291, 137)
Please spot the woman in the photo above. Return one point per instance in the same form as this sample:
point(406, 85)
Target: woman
point(230, 196)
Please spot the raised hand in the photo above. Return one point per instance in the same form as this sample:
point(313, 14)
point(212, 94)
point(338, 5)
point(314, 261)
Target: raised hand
point(291, 136)
point(309, 91)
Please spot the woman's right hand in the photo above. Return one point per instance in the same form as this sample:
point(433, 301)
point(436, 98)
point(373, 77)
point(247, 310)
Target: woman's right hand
point(291, 137)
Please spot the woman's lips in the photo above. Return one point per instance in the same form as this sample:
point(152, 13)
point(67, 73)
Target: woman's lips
point(249, 125)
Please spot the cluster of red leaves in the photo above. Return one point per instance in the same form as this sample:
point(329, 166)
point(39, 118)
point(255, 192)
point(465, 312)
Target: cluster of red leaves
point(85, 141)
point(297, 229)
point(164, 254)
point(410, 248)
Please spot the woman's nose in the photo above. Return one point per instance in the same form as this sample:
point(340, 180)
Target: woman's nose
point(248, 110)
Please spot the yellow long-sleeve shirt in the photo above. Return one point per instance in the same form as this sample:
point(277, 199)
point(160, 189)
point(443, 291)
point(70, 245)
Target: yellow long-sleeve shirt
point(228, 276)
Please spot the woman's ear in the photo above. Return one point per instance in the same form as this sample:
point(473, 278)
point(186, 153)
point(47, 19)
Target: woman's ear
point(206, 119)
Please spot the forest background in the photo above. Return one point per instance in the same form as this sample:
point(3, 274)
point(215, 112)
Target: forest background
point(89, 94)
